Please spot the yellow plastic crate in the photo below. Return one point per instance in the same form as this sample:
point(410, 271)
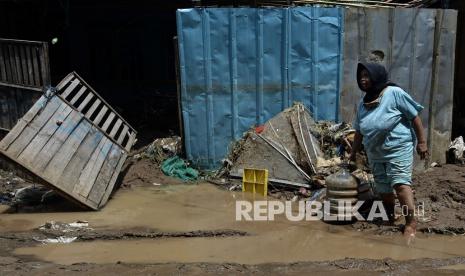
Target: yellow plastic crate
point(255, 181)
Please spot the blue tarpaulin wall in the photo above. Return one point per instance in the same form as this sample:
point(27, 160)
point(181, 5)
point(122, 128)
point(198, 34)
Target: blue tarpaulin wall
point(240, 67)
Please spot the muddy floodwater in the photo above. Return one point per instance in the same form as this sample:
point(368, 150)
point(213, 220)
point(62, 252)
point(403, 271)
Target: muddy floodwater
point(205, 207)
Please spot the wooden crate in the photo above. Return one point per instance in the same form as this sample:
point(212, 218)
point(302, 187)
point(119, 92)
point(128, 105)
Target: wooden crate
point(74, 141)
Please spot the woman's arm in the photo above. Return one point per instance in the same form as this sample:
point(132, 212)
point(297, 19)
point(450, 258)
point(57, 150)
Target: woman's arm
point(356, 146)
point(422, 147)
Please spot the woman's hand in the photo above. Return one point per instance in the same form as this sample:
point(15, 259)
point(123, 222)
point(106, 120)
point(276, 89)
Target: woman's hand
point(422, 149)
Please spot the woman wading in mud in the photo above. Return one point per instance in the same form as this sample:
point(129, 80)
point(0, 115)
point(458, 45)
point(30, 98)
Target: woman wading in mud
point(388, 124)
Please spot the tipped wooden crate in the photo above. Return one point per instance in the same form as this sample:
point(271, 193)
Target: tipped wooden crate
point(74, 141)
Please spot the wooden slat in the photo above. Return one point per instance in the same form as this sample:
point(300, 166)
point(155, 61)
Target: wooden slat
point(27, 118)
point(22, 139)
point(100, 115)
point(2, 65)
point(22, 56)
point(130, 142)
point(70, 175)
point(44, 65)
point(65, 81)
point(92, 108)
point(40, 140)
point(115, 128)
point(6, 60)
point(35, 64)
point(11, 58)
point(78, 95)
point(69, 89)
point(18, 64)
point(108, 121)
point(123, 134)
point(14, 104)
point(85, 102)
point(92, 168)
point(60, 160)
point(30, 69)
point(104, 176)
point(112, 182)
point(56, 141)
point(4, 108)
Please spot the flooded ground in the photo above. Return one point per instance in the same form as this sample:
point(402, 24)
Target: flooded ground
point(204, 207)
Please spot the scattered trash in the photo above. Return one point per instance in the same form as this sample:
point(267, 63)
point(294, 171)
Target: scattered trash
point(65, 227)
point(60, 239)
point(456, 150)
point(177, 167)
point(163, 148)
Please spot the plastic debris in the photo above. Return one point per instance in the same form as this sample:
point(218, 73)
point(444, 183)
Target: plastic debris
point(65, 227)
point(177, 167)
point(60, 239)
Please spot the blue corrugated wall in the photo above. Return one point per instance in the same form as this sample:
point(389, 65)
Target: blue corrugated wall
point(240, 67)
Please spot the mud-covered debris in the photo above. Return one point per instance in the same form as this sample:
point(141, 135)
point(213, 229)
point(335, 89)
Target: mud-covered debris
point(456, 150)
point(60, 239)
point(163, 148)
point(65, 227)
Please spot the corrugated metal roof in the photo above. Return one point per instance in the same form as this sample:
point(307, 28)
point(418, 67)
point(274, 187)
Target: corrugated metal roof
point(240, 67)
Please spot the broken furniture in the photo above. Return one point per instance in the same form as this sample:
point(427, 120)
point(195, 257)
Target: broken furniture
point(72, 140)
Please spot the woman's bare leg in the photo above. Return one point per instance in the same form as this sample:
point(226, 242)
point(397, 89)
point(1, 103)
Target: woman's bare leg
point(405, 196)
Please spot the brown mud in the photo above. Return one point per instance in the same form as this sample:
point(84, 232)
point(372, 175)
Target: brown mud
point(191, 228)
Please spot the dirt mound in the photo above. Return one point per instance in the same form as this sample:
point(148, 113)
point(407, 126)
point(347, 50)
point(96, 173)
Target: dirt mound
point(143, 172)
point(442, 190)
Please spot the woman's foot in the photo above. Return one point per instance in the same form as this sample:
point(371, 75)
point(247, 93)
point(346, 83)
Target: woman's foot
point(410, 231)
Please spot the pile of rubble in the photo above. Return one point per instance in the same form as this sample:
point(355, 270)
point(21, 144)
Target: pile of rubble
point(297, 151)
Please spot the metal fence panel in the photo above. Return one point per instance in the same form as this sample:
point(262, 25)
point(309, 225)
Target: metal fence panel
point(240, 67)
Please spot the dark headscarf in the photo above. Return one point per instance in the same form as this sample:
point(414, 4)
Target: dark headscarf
point(379, 79)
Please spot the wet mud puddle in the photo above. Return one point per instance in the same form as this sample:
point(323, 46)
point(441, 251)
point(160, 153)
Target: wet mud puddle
point(204, 207)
